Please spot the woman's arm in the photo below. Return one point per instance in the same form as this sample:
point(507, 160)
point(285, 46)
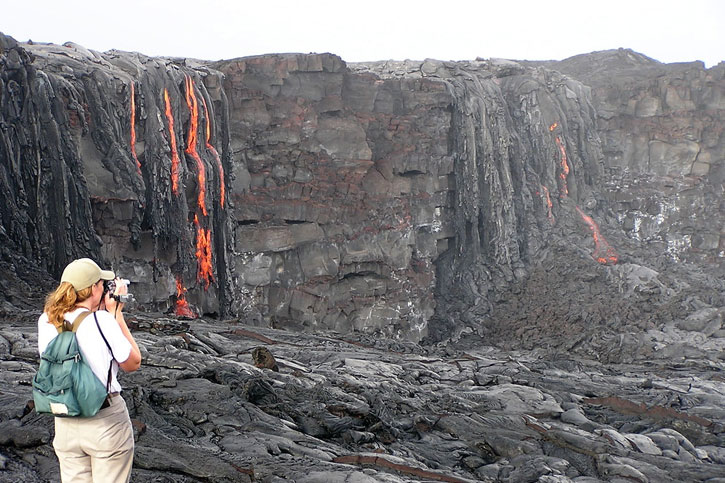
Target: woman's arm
point(113, 306)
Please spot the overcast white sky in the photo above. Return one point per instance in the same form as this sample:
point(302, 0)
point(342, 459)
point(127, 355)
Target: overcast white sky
point(666, 30)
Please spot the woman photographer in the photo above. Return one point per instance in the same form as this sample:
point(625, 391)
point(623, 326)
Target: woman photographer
point(99, 448)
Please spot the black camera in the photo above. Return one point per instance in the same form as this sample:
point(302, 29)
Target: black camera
point(109, 286)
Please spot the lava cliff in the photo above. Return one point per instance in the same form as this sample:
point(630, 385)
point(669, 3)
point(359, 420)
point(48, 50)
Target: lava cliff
point(408, 199)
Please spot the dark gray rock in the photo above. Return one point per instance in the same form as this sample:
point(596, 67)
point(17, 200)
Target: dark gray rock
point(341, 408)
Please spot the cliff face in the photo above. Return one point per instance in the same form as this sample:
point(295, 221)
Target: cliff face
point(106, 156)
point(339, 219)
point(655, 118)
point(375, 187)
point(407, 199)
point(663, 139)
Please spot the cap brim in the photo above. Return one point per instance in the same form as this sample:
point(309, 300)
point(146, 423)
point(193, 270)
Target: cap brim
point(107, 275)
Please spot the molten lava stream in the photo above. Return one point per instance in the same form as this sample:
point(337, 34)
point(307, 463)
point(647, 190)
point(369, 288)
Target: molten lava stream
point(203, 254)
point(133, 128)
point(172, 141)
point(603, 252)
point(564, 168)
point(549, 205)
point(215, 153)
point(564, 191)
point(182, 306)
point(191, 142)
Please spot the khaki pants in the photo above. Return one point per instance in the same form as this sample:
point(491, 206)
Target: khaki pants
point(97, 449)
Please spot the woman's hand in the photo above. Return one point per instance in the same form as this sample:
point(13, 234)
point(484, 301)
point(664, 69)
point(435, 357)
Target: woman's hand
point(111, 303)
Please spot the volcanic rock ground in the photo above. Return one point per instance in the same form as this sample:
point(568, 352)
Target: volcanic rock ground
point(357, 408)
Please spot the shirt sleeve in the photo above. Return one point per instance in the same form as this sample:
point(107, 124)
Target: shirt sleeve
point(44, 334)
point(120, 346)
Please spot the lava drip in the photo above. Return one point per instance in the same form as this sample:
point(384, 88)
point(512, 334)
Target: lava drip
point(215, 153)
point(203, 235)
point(174, 152)
point(549, 205)
point(603, 252)
point(133, 128)
point(191, 142)
point(203, 254)
point(564, 191)
point(183, 309)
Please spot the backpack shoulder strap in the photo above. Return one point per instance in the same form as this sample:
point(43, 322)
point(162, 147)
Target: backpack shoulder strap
point(79, 319)
point(110, 366)
point(67, 326)
point(95, 316)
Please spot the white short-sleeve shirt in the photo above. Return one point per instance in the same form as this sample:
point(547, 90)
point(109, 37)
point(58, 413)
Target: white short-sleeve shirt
point(94, 349)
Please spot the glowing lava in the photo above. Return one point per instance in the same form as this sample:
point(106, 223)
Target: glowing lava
point(564, 191)
point(182, 306)
point(133, 128)
point(603, 252)
point(203, 254)
point(564, 168)
point(191, 142)
point(174, 152)
point(214, 152)
point(549, 205)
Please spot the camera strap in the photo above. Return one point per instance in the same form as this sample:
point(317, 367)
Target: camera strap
point(113, 358)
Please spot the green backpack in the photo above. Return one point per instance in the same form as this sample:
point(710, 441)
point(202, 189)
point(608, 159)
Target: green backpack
point(65, 384)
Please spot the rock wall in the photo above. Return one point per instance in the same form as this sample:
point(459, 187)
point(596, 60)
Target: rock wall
point(101, 158)
point(663, 119)
point(663, 140)
point(380, 192)
point(340, 218)
point(407, 199)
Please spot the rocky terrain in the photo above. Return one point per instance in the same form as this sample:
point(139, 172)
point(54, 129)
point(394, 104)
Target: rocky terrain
point(223, 402)
point(446, 271)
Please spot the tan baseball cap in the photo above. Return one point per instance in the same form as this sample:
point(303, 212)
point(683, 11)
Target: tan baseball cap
point(84, 272)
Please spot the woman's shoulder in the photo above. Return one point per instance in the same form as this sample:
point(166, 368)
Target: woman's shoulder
point(45, 327)
point(104, 316)
point(96, 325)
point(106, 320)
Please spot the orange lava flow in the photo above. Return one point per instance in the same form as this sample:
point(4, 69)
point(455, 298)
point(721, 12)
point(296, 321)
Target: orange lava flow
point(191, 142)
point(203, 254)
point(564, 168)
point(549, 205)
point(214, 152)
point(174, 152)
point(133, 128)
point(603, 252)
point(182, 306)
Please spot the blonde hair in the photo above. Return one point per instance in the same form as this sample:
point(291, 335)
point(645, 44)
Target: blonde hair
point(64, 299)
